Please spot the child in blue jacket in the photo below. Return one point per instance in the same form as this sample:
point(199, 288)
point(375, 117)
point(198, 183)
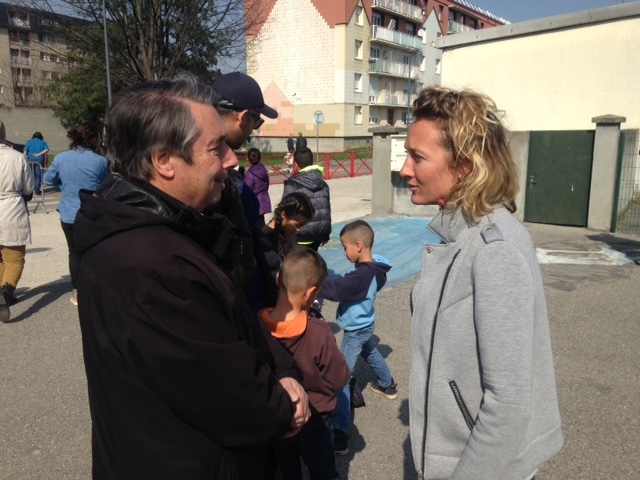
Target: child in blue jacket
point(356, 294)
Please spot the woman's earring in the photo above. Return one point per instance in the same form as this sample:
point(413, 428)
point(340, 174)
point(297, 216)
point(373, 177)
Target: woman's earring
point(441, 203)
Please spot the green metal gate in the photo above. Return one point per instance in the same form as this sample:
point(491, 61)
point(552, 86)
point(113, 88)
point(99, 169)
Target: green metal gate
point(627, 210)
point(559, 177)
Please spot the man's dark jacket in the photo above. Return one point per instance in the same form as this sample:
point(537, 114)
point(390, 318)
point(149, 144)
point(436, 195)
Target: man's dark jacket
point(310, 181)
point(182, 377)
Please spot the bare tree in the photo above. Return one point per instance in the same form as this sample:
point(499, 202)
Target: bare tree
point(151, 39)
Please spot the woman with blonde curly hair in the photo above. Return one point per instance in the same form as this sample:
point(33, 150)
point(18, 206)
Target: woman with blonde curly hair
point(483, 401)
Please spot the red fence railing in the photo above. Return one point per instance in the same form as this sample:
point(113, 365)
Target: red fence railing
point(335, 164)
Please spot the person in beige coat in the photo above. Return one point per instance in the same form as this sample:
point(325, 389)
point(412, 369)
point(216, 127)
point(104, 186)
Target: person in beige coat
point(16, 187)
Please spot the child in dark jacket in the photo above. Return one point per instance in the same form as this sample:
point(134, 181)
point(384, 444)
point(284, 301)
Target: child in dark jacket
point(313, 347)
point(310, 181)
point(356, 292)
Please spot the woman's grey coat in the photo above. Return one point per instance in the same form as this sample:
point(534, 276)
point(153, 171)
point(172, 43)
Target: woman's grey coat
point(482, 367)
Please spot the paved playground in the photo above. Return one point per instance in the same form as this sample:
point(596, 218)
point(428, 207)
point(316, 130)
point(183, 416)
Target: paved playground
point(591, 285)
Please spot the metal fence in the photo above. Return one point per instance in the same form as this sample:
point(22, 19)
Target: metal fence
point(335, 165)
point(627, 211)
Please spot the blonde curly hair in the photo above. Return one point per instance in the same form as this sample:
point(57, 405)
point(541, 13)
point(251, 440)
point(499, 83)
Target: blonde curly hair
point(471, 128)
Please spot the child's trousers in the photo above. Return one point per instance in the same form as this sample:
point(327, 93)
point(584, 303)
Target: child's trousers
point(355, 343)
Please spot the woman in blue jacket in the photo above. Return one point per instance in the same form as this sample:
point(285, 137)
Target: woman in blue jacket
point(482, 400)
point(80, 168)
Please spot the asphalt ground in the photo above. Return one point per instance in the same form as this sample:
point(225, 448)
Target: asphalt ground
point(591, 285)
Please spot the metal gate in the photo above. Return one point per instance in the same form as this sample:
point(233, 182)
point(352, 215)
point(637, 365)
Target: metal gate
point(627, 209)
point(559, 177)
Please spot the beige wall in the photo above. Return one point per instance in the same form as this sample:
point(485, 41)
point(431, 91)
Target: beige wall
point(300, 65)
point(555, 80)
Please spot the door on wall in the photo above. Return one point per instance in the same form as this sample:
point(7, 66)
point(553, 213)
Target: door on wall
point(559, 177)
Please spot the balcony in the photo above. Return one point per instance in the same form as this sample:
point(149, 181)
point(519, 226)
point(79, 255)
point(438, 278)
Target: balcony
point(456, 27)
point(390, 99)
point(393, 69)
point(20, 60)
point(21, 80)
point(404, 9)
point(394, 38)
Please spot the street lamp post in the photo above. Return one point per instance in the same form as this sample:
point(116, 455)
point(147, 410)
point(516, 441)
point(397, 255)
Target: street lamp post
point(106, 50)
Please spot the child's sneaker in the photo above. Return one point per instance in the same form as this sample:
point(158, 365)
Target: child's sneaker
point(390, 392)
point(340, 443)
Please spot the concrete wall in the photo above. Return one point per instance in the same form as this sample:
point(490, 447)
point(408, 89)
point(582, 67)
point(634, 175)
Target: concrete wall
point(22, 122)
point(555, 73)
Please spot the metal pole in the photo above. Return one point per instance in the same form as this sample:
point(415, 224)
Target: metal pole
point(106, 50)
point(317, 142)
point(408, 92)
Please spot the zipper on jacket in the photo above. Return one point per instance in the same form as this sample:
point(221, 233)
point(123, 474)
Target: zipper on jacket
point(433, 336)
point(461, 405)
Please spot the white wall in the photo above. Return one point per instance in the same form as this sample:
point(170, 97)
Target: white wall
point(554, 79)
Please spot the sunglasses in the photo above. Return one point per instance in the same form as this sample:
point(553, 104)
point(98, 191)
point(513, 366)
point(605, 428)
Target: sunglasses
point(257, 119)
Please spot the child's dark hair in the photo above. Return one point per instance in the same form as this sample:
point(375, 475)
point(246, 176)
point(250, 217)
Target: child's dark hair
point(303, 158)
point(302, 268)
point(254, 155)
point(295, 204)
point(359, 231)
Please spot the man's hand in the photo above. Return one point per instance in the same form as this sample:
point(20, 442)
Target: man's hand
point(301, 401)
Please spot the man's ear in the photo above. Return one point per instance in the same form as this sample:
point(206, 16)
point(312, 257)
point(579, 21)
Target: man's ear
point(162, 164)
point(244, 118)
point(278, 279)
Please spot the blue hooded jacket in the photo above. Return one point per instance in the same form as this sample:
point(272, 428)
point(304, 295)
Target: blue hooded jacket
point(356, 292)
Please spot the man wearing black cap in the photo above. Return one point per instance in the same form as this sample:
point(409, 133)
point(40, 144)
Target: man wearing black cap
point(240, 106)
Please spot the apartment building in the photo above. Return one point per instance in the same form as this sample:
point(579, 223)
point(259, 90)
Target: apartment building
point(32, 54)
point(360, 62)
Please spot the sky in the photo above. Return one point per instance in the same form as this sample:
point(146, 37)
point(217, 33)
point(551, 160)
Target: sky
point(522, 10)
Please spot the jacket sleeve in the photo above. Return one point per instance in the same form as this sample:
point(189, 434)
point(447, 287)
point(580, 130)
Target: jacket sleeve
point(503, 317)
point(332, 363)
point(353, 286)
point(52, 176)
point(27, 179)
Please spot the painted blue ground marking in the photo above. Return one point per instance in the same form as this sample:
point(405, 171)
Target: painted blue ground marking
point(398, 239)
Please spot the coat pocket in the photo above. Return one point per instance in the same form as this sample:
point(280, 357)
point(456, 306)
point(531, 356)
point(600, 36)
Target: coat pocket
point(461, 405)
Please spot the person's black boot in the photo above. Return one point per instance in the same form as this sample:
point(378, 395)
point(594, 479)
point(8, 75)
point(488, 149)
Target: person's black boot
point(9, 292)
point(5, 313)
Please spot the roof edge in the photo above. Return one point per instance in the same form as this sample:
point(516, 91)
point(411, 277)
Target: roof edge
point(531, 27)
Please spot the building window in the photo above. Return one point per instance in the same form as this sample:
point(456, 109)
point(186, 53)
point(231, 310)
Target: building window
point(50, 39)
point(377, 19)
point(44, 56)
point(357, 82)
point(438, 62)
point(20, 20)
point(357, 115)
point(359, 16)
point(359, 49)
point(406, 117)
point(375, 52)
point(1, 88)
point(373, 116)
point(409, 29)
point(46, 75)
point(440, 12)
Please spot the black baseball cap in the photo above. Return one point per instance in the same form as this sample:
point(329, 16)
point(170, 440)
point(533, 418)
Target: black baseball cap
point(239, 91)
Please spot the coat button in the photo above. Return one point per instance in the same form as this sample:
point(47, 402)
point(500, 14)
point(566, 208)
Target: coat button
point(428, 249)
